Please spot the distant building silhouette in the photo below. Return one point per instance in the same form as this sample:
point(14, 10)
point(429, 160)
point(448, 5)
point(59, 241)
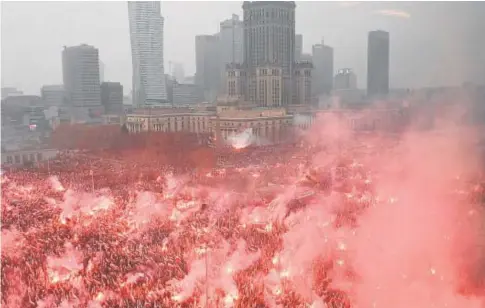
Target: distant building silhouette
point(53, 95)
point(231, 44)
point(112, 97)
point(178, 72)
point(322, 58)
point(80, 67)
point(378, 63)
point(208, 65)
point(345, 80)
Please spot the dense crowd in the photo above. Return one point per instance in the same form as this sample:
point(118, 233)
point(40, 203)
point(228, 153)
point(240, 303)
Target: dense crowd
point(87, 231)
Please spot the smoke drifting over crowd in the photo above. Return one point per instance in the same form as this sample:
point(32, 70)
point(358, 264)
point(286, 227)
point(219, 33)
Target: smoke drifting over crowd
point(367, 221)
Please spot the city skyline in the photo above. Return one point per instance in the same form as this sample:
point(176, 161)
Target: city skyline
point(343, 26)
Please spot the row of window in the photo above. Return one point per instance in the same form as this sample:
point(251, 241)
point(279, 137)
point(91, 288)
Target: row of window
point(262, 14)
point(307, 73)
point(17, 159)
point(264, 72)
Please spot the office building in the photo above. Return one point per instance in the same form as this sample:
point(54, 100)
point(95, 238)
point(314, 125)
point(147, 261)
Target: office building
point(322, 59)
point(186, 94)
point(298, 47)
point(53, 95)
point(378, 63)
point(146, 34)
point(345, 79)
point(80, 67)
point(269, 51)
point(112, 97)
point(208, 65)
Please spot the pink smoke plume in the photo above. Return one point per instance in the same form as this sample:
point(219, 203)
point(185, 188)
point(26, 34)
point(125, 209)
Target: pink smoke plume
point(405, 235)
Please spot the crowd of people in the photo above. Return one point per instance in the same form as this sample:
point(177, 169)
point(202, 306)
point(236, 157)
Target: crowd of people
point(89, 231)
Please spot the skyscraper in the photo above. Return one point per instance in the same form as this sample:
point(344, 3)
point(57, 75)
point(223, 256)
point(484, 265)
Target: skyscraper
point(269, 51)
point(322, 57)
point(207, 65)
point(146, 34)
point(378, 63)
point(80, 72)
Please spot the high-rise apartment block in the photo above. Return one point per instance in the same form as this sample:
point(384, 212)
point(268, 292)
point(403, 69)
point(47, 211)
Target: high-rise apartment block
point(146, 34)
point(378, 63)
point(80, 70)
point(322, 58)
point(269, 51)
point(208, 65)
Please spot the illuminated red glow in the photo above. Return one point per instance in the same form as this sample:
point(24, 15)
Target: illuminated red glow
point(402, 231)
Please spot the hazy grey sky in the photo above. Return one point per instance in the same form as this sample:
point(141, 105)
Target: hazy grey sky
point(432, 43)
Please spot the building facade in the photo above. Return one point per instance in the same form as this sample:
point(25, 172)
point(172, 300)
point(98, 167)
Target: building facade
point(231, 43)
point(146, 35)
point(378, 63)
point(53, 95)
point(269, 42)
point(112, 97)
point(231, 40)
point(269, 86)
point(345, 79)
point(80, 66)
point(322, 59)
point(7, 91)
point(208, 65)
point(303, 83)
point(28, 156)
point(186, 94)
point(298, 47)
point(266, 125)
point(235, 81)
point(169, 120)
